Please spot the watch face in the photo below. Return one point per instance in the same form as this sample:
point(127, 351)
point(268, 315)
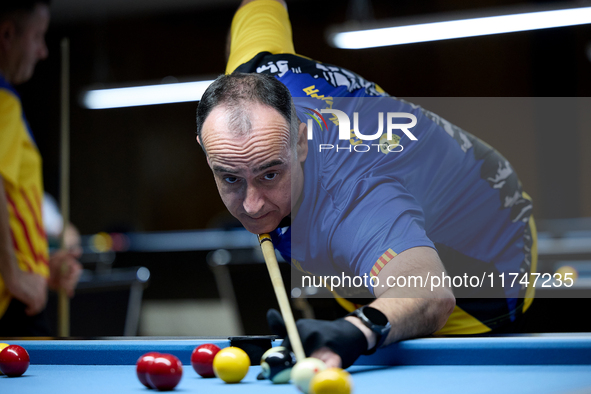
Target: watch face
point(375, 316)
point(375, 321)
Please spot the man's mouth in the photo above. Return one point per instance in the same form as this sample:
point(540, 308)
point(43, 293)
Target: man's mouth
point(259, 217)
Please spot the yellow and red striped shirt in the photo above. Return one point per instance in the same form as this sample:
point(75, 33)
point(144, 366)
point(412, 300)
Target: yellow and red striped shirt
point(21, 170)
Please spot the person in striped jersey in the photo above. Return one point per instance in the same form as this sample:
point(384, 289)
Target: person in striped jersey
point(26, 268)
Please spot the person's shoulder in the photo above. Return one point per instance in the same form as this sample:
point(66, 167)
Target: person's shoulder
point(10, 105)
point(274, 64)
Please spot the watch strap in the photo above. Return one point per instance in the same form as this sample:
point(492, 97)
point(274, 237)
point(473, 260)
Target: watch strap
point(376, 321)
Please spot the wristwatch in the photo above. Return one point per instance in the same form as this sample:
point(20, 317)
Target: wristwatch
point(375, 321)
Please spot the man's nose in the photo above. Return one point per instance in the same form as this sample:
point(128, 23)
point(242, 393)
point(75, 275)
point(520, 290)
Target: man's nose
point(253, 201)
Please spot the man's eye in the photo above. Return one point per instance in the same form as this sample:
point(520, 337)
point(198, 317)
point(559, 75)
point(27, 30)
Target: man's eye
point(231, 179)
point(270, 176)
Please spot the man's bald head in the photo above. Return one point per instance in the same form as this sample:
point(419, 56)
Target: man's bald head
point(237, 92)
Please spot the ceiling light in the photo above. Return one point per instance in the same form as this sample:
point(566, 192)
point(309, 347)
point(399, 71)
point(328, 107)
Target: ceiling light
point(144, 95)
point(445, 28)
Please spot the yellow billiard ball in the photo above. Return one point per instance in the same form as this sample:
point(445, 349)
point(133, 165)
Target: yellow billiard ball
point(231, 364)
point(567, 269)
point(2, 346)
point(331, 381)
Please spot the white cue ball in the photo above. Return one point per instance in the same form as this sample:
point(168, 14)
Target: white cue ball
point(303, 372)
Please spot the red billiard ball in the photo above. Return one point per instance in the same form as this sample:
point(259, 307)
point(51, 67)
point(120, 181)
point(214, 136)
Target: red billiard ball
point(14, 360)
point(142, 367)
point(202, 359)
point(165, 372)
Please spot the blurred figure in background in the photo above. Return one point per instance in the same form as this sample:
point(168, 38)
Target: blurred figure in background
point(26, 268)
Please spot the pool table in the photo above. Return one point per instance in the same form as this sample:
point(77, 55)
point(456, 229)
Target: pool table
point(539, 363)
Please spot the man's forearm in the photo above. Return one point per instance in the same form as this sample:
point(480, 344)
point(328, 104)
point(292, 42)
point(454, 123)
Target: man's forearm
point(415, 317)
point(409, 317)
point(412, 311)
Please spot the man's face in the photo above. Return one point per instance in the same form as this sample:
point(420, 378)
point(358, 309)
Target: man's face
point(254, 173)
point(27, 45)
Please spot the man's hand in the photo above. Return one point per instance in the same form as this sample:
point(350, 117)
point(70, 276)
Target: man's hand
point(338, 343)
point(30, 289)
point(64, 271)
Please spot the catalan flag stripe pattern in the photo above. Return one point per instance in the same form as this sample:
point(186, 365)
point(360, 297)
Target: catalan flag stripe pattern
point(382, 261)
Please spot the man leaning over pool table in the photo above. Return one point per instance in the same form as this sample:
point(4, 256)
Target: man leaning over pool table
point(446, 204)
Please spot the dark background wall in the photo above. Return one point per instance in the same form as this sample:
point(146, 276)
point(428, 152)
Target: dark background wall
point(141, 169)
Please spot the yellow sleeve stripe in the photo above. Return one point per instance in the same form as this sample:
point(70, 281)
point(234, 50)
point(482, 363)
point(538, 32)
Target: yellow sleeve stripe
point(260, 26)
point(296, 264)
point(530, 292)
point(346, 304)
point(382, 261)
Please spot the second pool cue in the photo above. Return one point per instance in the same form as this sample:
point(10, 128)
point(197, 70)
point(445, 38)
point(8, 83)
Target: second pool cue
point(63, 307)
point(281, 294)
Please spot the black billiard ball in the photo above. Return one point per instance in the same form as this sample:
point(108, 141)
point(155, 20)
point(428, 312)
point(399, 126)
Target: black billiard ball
point(276, 364)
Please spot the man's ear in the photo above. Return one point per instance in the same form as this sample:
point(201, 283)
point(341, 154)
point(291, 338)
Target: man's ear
point(302, 148)
point(7, 34)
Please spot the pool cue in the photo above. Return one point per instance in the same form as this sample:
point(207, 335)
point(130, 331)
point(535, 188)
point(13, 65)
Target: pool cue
point(281, 294)
point(63, 307)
